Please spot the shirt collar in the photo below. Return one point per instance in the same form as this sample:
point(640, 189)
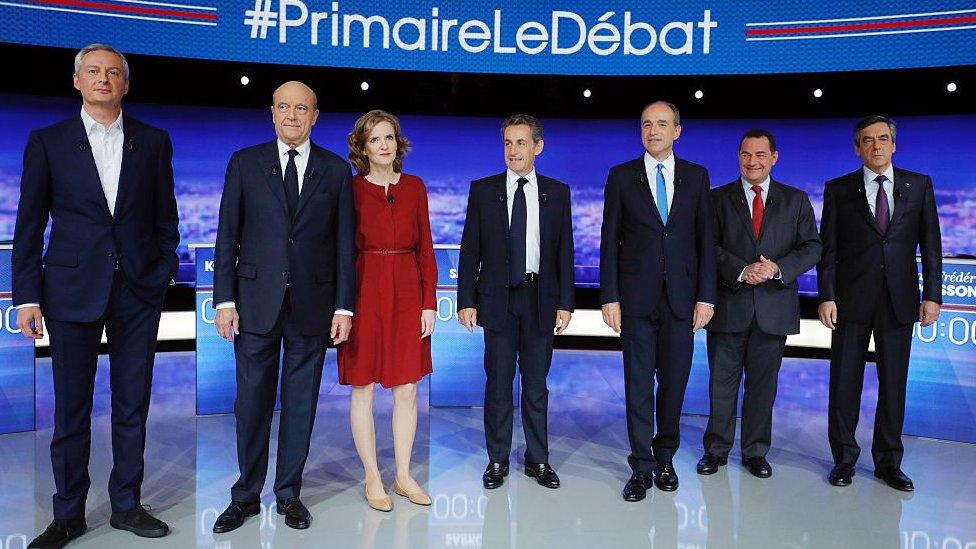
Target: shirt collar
point(90, 123)
point(302, 149)
point(748, 186)
point(512, 177)
point(889, 173)
point(650, 163)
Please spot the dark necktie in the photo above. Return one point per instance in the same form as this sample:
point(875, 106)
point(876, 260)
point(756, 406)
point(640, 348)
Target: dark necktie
point(291, 183)
point(881, 211)
point(757, 209)
point(516, 235)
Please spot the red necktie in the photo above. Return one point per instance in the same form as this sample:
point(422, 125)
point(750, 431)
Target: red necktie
point(757, 209)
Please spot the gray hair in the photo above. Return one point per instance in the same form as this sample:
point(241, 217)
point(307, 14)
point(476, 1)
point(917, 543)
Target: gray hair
point(100, 47)
point(524, 120)
point(870, 121)
point(672, 106)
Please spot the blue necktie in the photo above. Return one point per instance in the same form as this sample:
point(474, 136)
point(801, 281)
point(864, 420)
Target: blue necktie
point(662, 195)
point(516, 235)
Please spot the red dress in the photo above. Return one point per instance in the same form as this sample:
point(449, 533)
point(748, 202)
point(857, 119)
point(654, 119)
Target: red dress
point(384, 345)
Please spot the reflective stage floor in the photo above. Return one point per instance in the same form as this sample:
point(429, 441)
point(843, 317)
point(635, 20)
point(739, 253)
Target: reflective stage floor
point(191, 464)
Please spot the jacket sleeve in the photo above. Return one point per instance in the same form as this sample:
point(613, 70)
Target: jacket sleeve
point(567, 257)
point(827, 268)
point(346, 244)
point(806, 245)
point(729, 265)
point(469, 264)
point(33, 210)
point(707, 291)
point(228, 234)
point(167, 218)
point(610, 240)
point(930, 242)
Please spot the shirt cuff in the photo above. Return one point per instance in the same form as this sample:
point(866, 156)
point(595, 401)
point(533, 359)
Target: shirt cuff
point(343, 312)
point(23, 305)
point(703, 303)
point(742, 275)
point(226, 305)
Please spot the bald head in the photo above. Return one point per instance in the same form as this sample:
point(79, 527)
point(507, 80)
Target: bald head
point(294, 110)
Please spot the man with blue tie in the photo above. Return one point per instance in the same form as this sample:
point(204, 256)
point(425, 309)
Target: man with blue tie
point(874, 219)
point(657, 286)
point(518, 286)
point(105, 180)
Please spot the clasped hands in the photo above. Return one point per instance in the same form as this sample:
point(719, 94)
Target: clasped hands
point(760, 271)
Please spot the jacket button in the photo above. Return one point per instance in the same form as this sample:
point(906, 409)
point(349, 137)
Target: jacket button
point(110, 254)
point(291, 240)
point(284, 273)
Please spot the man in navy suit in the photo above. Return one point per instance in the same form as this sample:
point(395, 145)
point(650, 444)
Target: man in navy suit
point(106, 181)
point(516, 280)
point(657, 286)
point(874, 220)
point(765, 237)
point(284, 278)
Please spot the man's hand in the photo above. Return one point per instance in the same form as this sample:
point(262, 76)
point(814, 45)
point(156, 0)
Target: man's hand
point(31, 322)
point(562, 320)
point(468, 318)
point(703, 314)
point(760, 271)
point(341, 324)
point(427, 318)
point(928, 312)
point(228, 323)
point(828, 314)
point(611, 315)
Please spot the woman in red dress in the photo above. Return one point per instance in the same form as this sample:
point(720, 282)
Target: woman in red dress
point(390, 339)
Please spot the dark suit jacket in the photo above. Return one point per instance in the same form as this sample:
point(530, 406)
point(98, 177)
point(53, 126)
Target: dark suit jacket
point(483, 266)
point(788, 237)
point(639, 254)
point(858, 261)
point(260, 248)
point(73, 281)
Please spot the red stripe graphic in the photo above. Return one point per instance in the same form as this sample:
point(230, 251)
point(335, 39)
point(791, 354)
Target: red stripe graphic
point(129, 9)
point(863, 26)
point(969, 308)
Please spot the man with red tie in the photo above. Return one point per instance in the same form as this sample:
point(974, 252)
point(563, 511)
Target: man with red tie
point(874, 219)
point(765, 237)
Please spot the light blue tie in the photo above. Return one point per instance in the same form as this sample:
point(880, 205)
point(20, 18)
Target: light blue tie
point(662, 195)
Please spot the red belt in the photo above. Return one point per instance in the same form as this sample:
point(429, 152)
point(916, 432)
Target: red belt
point(388, 252)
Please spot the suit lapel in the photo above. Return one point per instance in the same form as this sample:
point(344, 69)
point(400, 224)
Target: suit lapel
point(856, 181)
point(644, 189)
point(86, 163)
point(500, 198)
point(772, 207)
point(313, 178)
point(545, 210)
point(739, 205)
point(273, 176)
point(130, 152)
point(902, 188)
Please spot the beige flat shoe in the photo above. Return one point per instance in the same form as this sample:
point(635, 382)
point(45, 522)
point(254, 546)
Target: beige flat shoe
point(384, 503)
point(418, 498)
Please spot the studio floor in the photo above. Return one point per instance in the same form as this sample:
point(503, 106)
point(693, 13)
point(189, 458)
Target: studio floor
point(191, 464)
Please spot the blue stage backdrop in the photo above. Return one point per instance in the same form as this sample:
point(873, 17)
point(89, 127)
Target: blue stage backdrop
point(16, 361)
point(626, 37)
point(578, 152)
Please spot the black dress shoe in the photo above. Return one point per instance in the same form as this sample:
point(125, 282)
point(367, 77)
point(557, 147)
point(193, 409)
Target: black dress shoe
point(235, 514)
point(665, 478)
point(296, 515)
point(841, 475)
point(638, 485)
point(709, 464)
point(139, 522)
point(494, 475)
point(758, 466)
point(892, 476)
point(59, 533)
point(543, 474)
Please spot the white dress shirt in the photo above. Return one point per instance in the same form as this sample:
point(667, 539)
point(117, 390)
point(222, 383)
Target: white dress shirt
point(750, 196)
point(871, 188)
point(650, 166)
point(106, 149)
point(301, 164)
point(531, 190)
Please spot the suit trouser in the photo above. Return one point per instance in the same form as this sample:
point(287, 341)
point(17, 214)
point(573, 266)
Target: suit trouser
point(131, 326)
point(848, 353)
point(759, 355)
point(258, 357)
point(524, 339)
point(655, 346)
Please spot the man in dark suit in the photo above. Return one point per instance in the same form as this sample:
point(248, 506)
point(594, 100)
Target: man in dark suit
point(657, 286)
point(765, 237)
point(517, 284)
point(106, 181)
point(284, 277)
point(874, 219)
